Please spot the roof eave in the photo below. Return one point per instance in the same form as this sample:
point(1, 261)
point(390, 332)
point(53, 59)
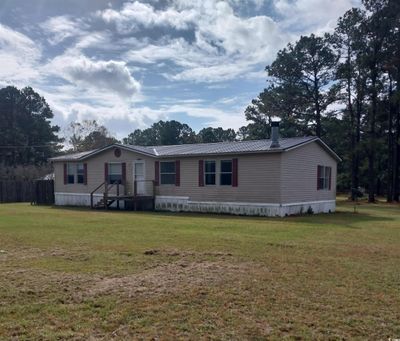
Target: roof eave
point(97, 151)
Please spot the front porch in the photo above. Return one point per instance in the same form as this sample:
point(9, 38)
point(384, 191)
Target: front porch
point(115, 196)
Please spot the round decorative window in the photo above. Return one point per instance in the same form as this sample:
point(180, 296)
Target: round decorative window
point(117, 152)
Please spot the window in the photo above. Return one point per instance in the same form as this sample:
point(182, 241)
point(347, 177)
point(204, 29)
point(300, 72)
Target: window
point(226, 173)
point(324, 177)
point(115, 173)
point(209, 172)
point(75, 173)
point(71, 170)
point(80, 173)
point(167, 173)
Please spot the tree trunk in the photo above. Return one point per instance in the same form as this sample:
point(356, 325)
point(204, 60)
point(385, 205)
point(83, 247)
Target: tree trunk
point(372, 137)
point(389, 194)
point(396, 149)
point(318, 129)
point(359, 109)
point(354, 185)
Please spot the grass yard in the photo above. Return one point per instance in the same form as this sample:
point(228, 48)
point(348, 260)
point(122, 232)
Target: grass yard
point(81, 274)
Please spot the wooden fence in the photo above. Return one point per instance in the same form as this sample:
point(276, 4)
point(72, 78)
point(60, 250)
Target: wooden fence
point(36, 192)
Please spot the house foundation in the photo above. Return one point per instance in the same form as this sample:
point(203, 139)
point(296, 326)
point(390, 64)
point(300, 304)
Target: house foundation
point(183, 204)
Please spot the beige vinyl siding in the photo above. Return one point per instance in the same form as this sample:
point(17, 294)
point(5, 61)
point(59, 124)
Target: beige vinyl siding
point(299, 174)
point(95, 170)
point(287, 177)
point(258, 180)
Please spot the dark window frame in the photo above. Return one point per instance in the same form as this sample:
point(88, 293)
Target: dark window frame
point(324, 178)
point(210, 173)
point(223, 174)
point(114, 178)
point(73, 174)
point(80, 173)
point(171, 176)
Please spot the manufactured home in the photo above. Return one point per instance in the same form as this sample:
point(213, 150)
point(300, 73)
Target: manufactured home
point(276, 177)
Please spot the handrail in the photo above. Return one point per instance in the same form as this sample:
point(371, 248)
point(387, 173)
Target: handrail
point(108, 187)
point(97, 187)
point(143, 181)
point(91, 193)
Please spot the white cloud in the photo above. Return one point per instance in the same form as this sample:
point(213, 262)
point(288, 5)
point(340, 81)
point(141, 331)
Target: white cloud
point(212, 115)
point(107, 76)
point(62, 27)
point(137, 13)
point(215, 73)
point(307, 16)
point(19, 56)
point(70, 103)
point(226, 46)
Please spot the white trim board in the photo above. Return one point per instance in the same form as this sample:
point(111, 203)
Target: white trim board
point(69, 193)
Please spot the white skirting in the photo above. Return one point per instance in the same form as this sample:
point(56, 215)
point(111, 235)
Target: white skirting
point(78, 199)
point(183, 204)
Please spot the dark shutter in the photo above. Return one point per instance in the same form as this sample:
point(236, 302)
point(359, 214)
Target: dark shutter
point(330, 177)
point(234, 172)
point(85, 173)
point(157, 173)
point(124, 173)
point(106, 172)
point(177, 173)
point(201, 173)
point(65, 174)
point(318, 176)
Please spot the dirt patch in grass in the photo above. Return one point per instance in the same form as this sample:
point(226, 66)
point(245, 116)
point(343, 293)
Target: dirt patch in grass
point(174, 277)
point(174, 253)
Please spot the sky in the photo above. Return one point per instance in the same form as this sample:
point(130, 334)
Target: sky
point(128, 64)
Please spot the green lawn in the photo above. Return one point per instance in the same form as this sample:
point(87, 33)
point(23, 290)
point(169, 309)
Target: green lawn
point(81, 274)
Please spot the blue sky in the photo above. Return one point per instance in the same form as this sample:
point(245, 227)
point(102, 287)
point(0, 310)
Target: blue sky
point(128, 64)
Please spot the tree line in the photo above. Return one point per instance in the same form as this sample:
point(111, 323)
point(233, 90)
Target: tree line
point(343, 87)
point(87, 135)
point(27, 138)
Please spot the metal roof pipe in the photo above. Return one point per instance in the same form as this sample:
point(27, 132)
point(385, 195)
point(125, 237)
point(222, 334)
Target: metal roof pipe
point(275, 134)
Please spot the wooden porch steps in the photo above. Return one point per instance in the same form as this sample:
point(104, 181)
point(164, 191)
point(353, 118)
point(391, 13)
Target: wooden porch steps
point(130, 202)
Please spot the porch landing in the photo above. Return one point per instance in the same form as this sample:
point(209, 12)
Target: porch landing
point(127, 202)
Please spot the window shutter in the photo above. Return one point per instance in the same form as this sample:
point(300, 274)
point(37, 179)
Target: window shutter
point(124, 173)
point(157, 173)
point(234, 172)
point(318, 176)
point(85, 173)
point(201, 173)
point(106, 172)
point(177, 173)
point(65, 174)
point(330, 177)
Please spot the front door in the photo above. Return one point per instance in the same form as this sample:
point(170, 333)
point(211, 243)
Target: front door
point(138, 177)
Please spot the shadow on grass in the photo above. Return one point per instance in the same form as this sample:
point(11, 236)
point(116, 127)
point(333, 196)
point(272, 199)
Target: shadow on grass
point(340, 218)
point(225, 216)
